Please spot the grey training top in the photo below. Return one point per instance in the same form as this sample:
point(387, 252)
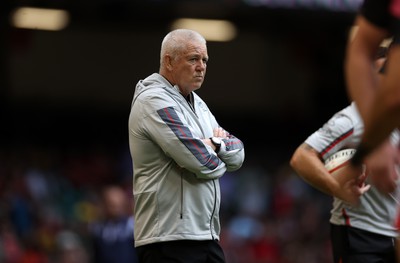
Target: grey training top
point(377, 211)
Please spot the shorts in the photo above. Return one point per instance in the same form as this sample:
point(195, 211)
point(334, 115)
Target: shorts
point(181, 251)
point(353, 245)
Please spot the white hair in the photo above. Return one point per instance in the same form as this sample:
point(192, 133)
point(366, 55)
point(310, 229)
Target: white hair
point(175, 42)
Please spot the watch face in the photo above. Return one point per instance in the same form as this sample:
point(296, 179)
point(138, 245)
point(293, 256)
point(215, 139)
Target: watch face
point(216, 140)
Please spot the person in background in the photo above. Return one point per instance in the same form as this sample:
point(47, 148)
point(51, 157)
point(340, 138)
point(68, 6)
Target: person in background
point(179, 152)
point(112, 235)
point(365, 233)
point(70, 248)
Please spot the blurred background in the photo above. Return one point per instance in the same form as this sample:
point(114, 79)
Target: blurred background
point(66, 82)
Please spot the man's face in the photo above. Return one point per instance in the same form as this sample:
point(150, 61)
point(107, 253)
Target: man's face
point(189, 69)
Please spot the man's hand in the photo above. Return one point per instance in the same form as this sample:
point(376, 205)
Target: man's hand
point(220, 132)
point(217, 132)
point(351, 184)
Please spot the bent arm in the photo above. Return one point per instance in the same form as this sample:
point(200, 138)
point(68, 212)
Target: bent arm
point(169, 129)
point(308, 165)
point(232, 153)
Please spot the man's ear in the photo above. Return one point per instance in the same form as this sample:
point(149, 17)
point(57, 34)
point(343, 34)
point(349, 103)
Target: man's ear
point(168, 62)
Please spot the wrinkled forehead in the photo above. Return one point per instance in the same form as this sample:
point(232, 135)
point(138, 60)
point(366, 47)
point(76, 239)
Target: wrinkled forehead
point(195, 48)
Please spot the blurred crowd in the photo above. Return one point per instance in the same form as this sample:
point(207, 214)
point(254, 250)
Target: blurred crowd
point(51, 199)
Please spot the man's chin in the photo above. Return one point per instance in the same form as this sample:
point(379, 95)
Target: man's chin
point(197, 85)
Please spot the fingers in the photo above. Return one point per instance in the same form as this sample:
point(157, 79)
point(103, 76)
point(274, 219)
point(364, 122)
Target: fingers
point(359, 191)
point(363, 177)
point(219, 132)
point(352, 190)
point(364, 189)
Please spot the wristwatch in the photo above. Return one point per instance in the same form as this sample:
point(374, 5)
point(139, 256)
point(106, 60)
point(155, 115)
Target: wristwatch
point(217, 143)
